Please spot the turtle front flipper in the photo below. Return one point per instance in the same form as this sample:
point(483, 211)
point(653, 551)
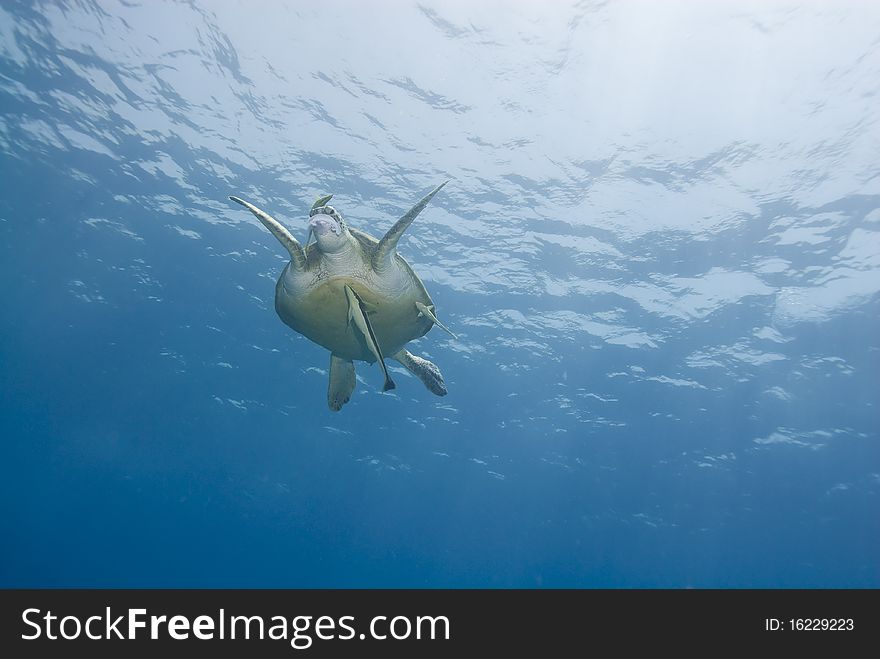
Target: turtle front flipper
point(357, 315)
point(342, 382)
point(424, 370)
point(388, 245)
point(291, 244)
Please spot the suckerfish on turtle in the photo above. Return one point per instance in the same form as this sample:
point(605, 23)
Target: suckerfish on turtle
point(355, 296)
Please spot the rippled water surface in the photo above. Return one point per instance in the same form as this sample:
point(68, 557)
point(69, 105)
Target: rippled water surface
point(659, 250)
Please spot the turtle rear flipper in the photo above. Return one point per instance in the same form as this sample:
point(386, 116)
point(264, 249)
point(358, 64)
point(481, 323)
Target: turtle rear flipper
point(342, 382)
point(424, 370)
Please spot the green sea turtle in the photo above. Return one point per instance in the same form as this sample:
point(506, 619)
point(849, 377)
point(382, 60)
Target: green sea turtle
point(354, 295)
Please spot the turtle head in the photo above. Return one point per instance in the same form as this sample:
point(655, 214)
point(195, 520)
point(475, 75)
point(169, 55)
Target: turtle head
point(329, 227)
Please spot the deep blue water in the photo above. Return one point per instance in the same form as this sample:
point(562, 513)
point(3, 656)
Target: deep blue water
point(659, 248)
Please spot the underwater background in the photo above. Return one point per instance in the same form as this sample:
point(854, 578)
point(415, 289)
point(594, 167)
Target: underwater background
point(659, 249)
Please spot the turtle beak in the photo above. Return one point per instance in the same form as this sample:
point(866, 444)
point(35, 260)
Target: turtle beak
point(319, 224)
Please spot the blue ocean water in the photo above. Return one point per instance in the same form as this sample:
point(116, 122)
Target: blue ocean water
point(659, 249)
